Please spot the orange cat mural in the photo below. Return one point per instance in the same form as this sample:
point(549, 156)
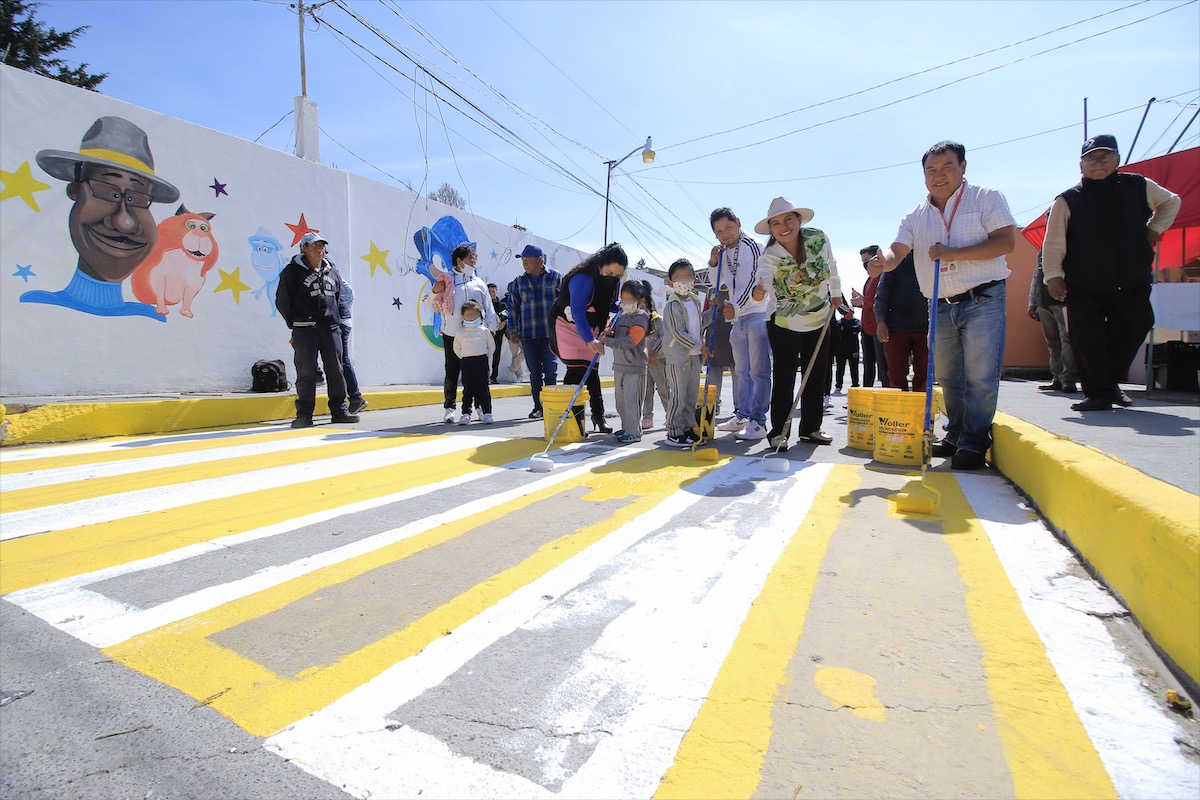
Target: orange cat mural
point(173, 273)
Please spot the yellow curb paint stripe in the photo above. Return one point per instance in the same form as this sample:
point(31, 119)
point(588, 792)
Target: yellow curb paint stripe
point(59, 493)
point(34, 560)
point(262, 703)
point(721, 755)
point(148, 449)
point(1045, 744)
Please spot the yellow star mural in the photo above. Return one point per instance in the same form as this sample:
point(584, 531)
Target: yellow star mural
point(377, 258)
point(233, 282)
point(22, 184)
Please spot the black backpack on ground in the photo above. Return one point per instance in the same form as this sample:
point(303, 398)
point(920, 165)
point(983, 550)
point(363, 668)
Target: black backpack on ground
point(268, 376)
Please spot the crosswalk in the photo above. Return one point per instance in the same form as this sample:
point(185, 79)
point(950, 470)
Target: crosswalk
point(406, 614)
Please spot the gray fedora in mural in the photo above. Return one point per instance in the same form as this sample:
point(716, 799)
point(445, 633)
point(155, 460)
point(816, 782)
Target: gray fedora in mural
point(110, 142)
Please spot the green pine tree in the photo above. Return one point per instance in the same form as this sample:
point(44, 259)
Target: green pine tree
point(29, 44)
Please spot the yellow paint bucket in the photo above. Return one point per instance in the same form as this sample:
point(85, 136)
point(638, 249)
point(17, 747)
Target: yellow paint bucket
point(706, 413)
point(554, 403)
point(899, 419)
point(861, 416)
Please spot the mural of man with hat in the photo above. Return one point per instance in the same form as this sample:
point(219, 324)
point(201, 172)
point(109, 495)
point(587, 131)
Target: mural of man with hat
point(111, 179)
point(1098, 257)
point(530, 298)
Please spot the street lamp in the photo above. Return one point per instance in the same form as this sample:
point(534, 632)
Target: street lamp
point(647, 158)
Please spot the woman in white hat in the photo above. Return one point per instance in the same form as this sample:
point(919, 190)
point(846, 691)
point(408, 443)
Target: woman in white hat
point(804, 286)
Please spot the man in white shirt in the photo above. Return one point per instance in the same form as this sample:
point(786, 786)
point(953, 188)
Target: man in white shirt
point(747, 309)
point(966, 230)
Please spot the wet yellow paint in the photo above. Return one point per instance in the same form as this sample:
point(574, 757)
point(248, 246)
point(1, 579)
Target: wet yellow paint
point(852, 690)
point(721, 755)
point(182, 654)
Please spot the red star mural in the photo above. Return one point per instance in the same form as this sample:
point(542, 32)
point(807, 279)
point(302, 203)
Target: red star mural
point(299, 229)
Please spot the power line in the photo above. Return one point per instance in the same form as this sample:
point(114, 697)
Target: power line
point(891, 103)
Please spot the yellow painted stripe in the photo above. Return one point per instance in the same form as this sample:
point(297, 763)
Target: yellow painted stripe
point(139, 447)
point(263, 703)
point(92, 488)
point(34, 560)
point(1047, 749)
point(722, 753)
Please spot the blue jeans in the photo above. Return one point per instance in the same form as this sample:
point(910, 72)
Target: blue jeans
point(352, 390)
point(751, 367)
point(968, 352)
point(543, 366)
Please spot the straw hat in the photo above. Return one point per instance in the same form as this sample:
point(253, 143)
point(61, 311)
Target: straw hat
point(781, 205)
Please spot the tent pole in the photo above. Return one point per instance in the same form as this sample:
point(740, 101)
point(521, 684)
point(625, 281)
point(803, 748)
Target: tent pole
point(1139, 130)
point(1185, 130)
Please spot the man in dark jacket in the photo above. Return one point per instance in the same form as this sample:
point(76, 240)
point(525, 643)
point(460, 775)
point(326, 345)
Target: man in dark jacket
point(1098, 257)
point(846, 346)
point(902, 324)
point(308, 298)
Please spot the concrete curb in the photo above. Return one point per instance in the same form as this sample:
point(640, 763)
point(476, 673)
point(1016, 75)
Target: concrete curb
point(1139, 534)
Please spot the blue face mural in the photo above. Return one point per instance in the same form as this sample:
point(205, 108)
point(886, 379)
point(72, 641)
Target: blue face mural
point(266, 257)
point(434, 246)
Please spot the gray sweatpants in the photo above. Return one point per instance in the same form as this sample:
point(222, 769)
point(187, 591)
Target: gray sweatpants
point(683, 387)
point(629, 389)
point(656, 381)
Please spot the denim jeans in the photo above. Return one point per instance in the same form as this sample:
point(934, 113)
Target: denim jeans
point(543, 366)
point(307, 343)
point(968, 352)
point(352, 390)
point(751, 367)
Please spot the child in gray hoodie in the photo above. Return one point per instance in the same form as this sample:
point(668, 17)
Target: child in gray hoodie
point(627, 338)
point(683, 332)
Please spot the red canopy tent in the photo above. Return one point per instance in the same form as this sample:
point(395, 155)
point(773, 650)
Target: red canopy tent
point(1179, 172)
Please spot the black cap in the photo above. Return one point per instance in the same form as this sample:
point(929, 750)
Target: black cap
point(1102, 142)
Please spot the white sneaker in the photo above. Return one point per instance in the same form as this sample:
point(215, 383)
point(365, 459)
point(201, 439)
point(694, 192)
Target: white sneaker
point(487, 419)
point(465, 419)
point(448, 415)
point(752, 431)
point(778, 442)
point(828, 401)
point(478, 414)
point(734, 423)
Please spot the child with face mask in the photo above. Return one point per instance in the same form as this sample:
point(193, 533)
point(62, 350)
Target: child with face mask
point(627, 339)
point(474, 345)
point(683, 333)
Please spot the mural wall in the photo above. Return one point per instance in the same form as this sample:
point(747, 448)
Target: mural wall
point(140, 253)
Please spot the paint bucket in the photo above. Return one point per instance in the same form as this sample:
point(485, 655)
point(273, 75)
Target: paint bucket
point(554, 403)
point(899, 424)
point(861, 416)
point(706, 412)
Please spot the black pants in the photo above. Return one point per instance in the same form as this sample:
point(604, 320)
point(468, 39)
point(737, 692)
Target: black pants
point(453, 368)
point(868, 359)
point(476, 391)
point(841, 369)
point(499, 337)
point(307, 342)
point(1107, 329)
point(791, 350)
point(595, 399)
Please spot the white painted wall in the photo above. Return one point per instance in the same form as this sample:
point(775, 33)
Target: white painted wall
point(48, 350)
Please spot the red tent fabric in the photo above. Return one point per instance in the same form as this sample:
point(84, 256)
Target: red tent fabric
point(1179, 172)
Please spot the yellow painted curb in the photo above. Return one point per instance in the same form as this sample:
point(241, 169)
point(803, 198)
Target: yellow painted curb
point(1140, 534)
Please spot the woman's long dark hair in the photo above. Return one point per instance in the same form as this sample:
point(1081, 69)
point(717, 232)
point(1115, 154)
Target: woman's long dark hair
point(609, 254)
point(603, 290)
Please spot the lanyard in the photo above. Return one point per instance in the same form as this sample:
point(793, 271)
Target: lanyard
point(961, 191)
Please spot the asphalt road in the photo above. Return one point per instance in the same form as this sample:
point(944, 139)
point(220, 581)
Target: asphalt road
point(401, 609)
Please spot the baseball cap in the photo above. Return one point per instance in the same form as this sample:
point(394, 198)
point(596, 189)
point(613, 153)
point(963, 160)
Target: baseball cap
point(310, 238)
point(531, 251)
point(1102, 142)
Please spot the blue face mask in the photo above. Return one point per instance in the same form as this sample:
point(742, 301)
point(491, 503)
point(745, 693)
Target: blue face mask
point(472, 323)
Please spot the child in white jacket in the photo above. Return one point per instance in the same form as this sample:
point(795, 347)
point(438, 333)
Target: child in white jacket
point(474, 345)
point(683, 333)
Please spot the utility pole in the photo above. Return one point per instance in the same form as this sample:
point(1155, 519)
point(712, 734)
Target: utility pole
point(308, 140)
point(303, 71)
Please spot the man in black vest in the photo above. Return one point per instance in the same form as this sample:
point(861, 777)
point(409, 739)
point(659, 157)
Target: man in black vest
point(1098, 257)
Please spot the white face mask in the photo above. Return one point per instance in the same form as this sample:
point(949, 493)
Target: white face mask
point(472, 323)
point(629, 307)
point(684, 288)
point(466, 271)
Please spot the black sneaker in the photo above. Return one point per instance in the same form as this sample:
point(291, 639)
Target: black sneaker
point(302, 422)
point(358, 405)
point(944, 448)
point(343, 417)
point(967, 459)
point(536, 413)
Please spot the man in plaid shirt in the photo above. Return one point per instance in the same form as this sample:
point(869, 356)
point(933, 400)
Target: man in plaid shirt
point(529, 300)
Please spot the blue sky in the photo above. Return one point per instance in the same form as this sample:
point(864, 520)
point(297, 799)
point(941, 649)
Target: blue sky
point(588, 81)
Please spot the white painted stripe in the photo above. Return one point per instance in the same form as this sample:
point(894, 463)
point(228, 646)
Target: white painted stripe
point(662, 652)
point(102, 621)
point(1135, 739)
point(16, 524)
point(120, 444)
point(103, 469)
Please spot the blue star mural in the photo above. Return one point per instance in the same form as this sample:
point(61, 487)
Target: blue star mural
point(396, 302)
point(494, 255)
point(25, 273)
point(218, 188)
